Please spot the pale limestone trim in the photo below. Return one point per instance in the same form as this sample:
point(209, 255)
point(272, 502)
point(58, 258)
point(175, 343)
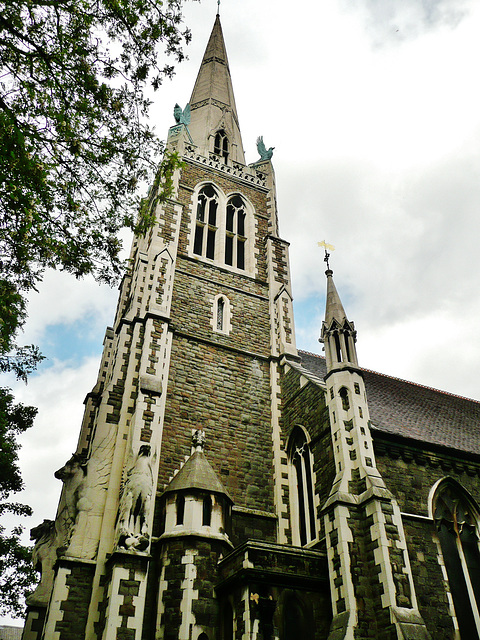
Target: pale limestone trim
point(59, 594)
point(277, 447)
point(189, 594)
point(244, 173)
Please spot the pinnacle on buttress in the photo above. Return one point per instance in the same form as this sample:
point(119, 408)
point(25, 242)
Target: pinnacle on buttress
point(338, 333)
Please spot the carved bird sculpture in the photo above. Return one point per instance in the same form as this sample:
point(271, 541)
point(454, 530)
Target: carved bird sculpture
point(265, 154)
point(182, 116)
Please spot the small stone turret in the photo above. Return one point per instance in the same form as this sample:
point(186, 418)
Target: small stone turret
point(195, 502)
point(196, 521)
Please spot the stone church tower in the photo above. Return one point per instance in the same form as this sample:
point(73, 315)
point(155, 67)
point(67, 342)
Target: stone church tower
point(227, 486)
point(203, 320)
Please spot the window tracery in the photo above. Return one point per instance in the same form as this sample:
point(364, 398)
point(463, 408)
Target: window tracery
point(457, 526)
point(206, 222)
point(220, 146)
point(221, 229)
point(235, 233)
point(302, 503)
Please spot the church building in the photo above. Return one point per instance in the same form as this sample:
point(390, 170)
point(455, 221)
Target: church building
point(227, 486)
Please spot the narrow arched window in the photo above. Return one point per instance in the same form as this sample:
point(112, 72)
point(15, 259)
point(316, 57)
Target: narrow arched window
point(302, 500)
point(344, 396)
point(206, 222)
point(207, 511)
point(180, 509)
point(338, 348)
point(220, 314)
point(456, 520)
point(220, 147)
point(235, 233)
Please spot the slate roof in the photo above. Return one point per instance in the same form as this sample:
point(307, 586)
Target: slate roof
point(197, 473)
point(402, 408)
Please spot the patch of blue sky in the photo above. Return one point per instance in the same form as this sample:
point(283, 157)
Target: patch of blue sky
point(309, 313)
point(71, 342)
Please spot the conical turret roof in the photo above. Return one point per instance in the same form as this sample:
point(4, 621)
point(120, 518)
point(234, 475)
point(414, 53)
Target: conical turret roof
point(197, 473)
point(212, 103)
point(334, 309)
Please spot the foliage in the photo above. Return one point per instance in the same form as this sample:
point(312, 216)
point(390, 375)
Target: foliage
point(17, 575)
point(74, 146)
point(74, 143)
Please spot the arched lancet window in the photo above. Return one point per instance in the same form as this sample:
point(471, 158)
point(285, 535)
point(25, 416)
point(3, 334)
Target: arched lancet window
point(344, 396)
point(456, 520)
point(338, 348)
point(206, 222)
point(203, 636)
point(235, 233)
point(220, 314)
point(180, 509)
point(220, 147)
point(302, 501)
point(207, 511)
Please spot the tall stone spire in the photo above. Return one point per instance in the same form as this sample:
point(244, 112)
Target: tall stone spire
point(212, 103)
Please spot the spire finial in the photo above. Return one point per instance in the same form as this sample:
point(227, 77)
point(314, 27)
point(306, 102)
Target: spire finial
point(198, 439)
point(218, 7)
point(327, 247)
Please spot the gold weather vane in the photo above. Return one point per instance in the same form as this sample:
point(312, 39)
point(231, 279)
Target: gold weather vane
point(327, 247)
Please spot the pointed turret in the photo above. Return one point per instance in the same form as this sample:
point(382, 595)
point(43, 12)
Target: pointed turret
point(214, 122)
point(334, 308)
point(338, 333)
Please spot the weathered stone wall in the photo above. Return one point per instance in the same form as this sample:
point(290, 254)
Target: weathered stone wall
point(305, 405)
point(227, 394)
point(410, 472)
point(75, 606)
point(247, 526)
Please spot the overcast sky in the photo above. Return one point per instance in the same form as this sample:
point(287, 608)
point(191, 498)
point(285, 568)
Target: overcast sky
point(373, 107)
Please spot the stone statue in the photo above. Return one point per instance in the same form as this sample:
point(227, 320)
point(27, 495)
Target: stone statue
point(182, 116)
point(44, 556)
point(135, 500)
point(265, 154)
point(81, 509)
point(72, 474)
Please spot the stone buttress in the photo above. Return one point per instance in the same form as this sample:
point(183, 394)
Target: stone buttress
point(370, 576)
